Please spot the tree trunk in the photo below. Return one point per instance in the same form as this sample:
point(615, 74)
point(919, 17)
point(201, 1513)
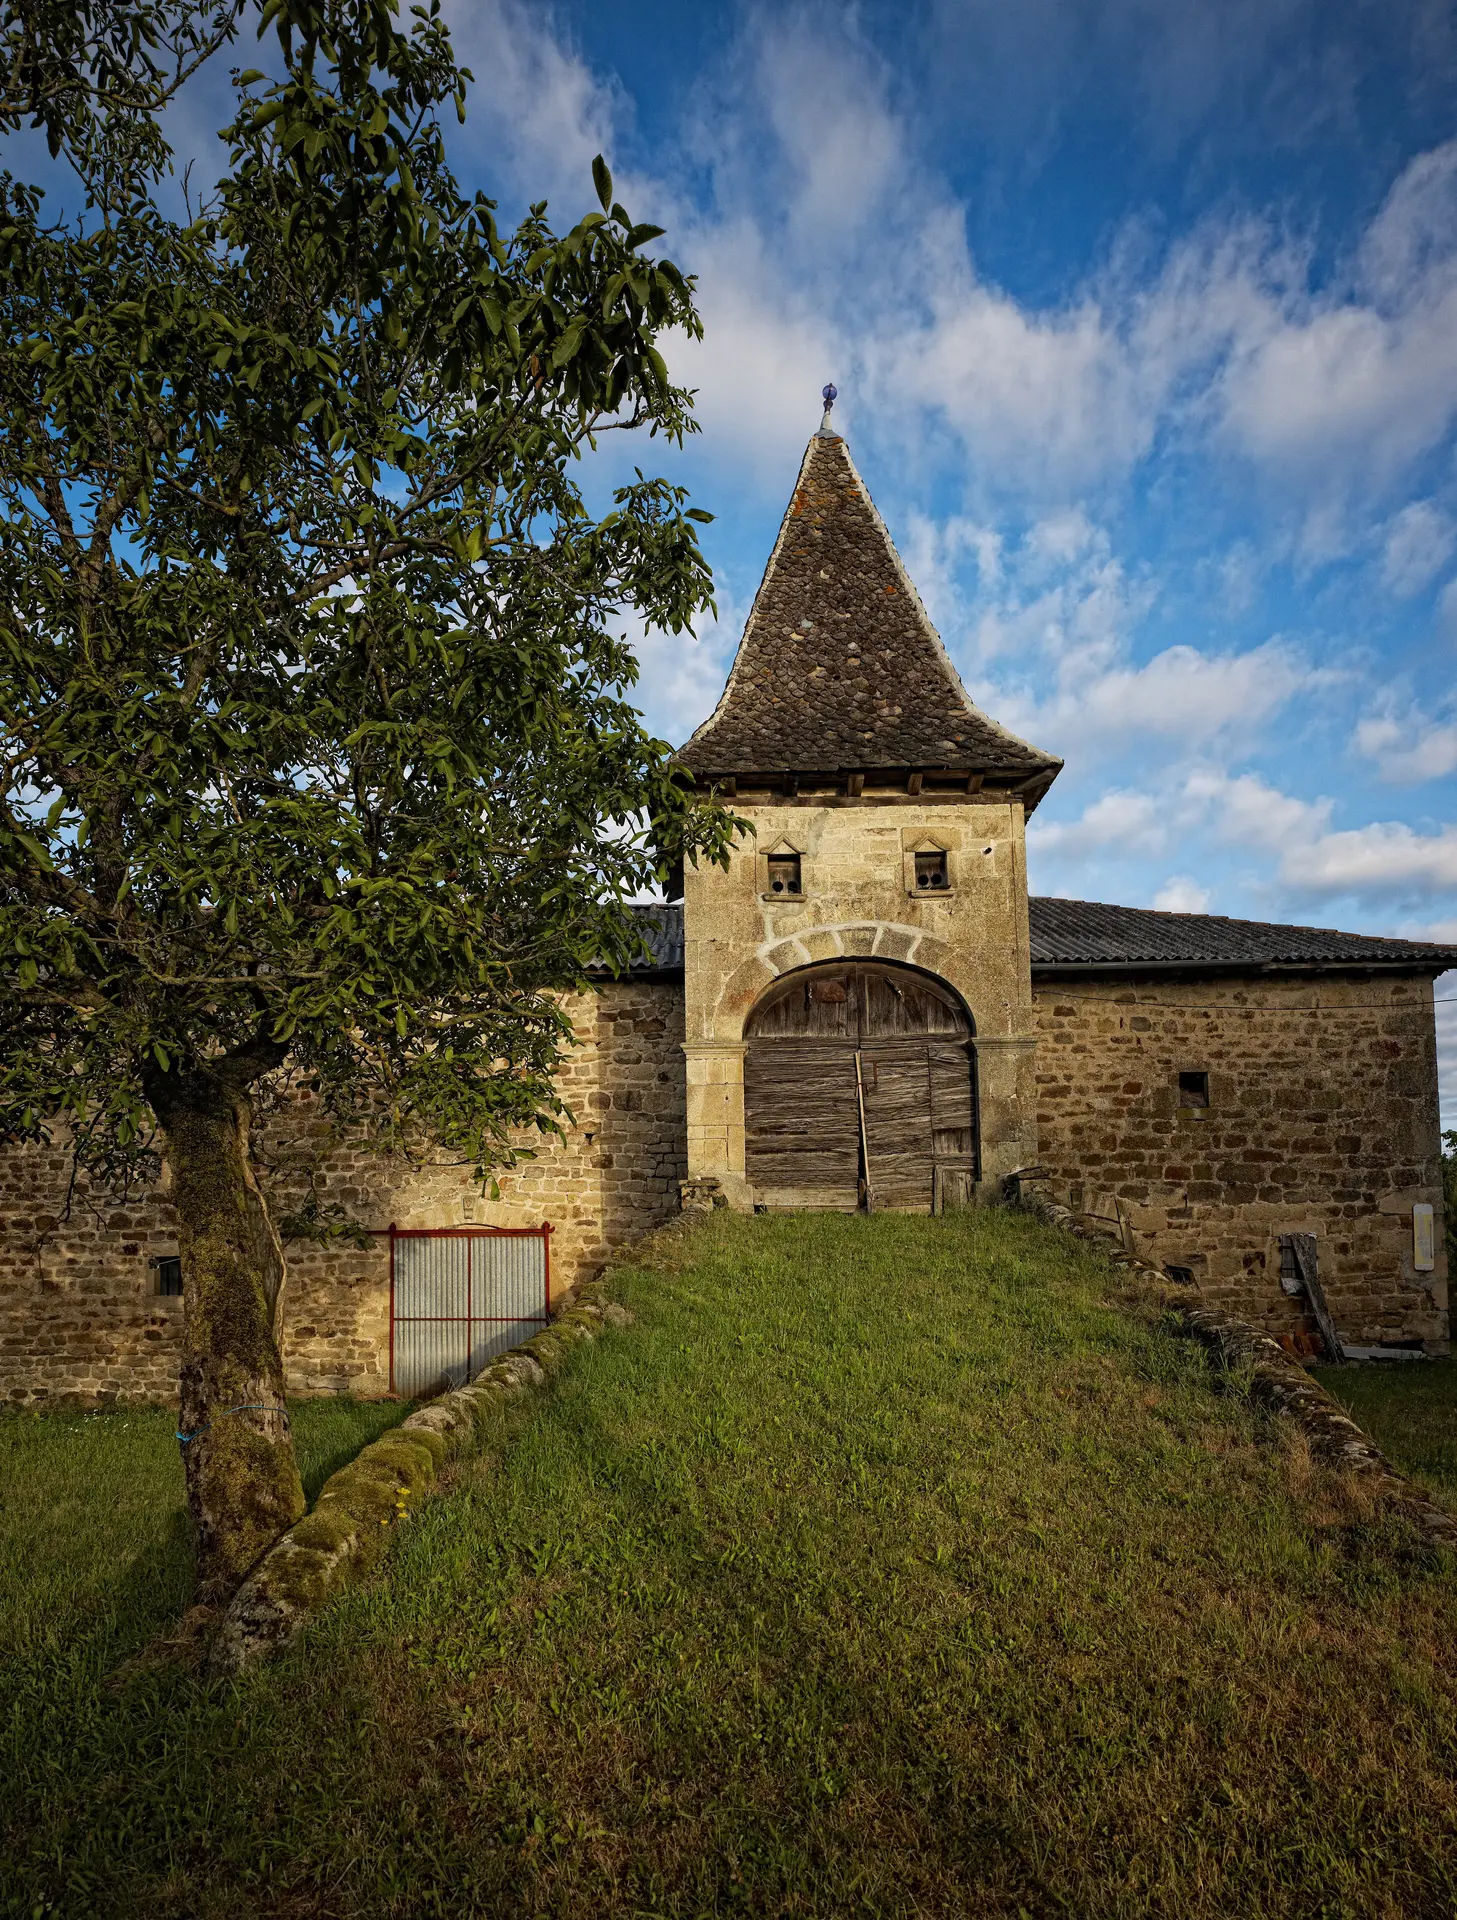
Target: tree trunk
point(243, 1487)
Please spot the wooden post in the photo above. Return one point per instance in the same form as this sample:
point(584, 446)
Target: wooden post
point(1302, 1245)
point(864, 1141)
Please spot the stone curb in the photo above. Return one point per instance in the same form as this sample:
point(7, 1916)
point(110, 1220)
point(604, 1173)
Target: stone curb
point(343, 1534)
point(1271, 1378)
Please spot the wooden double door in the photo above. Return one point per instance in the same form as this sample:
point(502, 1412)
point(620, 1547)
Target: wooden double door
point(860, 1091)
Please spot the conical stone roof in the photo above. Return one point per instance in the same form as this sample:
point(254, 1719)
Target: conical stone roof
point(840, 670)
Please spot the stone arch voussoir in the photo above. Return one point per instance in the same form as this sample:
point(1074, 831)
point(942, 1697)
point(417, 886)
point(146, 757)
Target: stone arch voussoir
point(850, 940)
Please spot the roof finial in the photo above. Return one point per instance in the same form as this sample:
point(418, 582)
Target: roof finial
point(829, 395)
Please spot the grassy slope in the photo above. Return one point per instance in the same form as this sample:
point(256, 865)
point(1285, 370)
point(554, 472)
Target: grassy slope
point(1410, 1410)
point(880, 1568)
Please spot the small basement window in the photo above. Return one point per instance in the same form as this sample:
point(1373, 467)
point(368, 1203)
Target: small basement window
point(1193, 1089)
point(931, 870)
point(784, 873)
point(169, 1274)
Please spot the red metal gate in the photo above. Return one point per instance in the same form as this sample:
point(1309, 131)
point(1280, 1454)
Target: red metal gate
point(459, 1296)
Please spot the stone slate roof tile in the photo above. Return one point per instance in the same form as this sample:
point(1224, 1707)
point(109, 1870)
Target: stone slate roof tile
point(1082, 933)
point(1075, 934)
point(662, 928)
point(840, 667)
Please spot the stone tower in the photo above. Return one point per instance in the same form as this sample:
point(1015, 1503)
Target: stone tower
point(876, 921)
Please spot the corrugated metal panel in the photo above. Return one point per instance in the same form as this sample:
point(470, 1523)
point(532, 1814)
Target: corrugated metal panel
point(461, 1297)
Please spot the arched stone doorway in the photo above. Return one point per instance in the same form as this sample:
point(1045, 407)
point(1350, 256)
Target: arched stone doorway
point(860, 1090)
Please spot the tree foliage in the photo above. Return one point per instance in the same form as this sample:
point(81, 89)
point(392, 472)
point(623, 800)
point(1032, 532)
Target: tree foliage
point(318, 746)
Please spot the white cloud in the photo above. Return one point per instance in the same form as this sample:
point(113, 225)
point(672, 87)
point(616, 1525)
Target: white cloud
point(537, 113)
point(1415, 232)
point(1085, 622)
point(1386, 857)
point(1412, 748)
point(1344, 390)
point(1120, 822)
point(682, 674)
point(1064, 537)
point(1180, 696)
point(1246, 811)
point(1181, 894)
point(1191, 695)
point(1419, 542)
point(802, 161)
point(1383, 859)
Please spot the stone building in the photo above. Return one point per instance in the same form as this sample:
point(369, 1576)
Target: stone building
point(865, 1009)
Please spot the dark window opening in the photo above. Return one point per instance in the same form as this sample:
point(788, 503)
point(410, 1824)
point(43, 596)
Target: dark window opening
point(931, 870)
point(784, 873)
point(1182, 1276)
point(169, 1274)
point(1193, 1089)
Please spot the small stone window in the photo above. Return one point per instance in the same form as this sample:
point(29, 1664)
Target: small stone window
point(1193, 1089)
point(169, 1274)
point(931, 875)
point(784, 873)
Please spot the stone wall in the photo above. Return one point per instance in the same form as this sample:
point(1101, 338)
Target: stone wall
point(79, 1308)
point(1322, 1119)
point(860, 900)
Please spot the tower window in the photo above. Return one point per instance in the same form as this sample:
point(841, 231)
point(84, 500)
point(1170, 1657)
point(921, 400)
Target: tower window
point(931, 870)
point(784, 873)
point(1193, 1089)
point(169, 1274)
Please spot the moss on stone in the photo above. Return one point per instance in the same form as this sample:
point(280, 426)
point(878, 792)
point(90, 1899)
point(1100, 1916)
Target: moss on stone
point(413, 1456)
point(303, 1578)
point(325, 1530)
point(351, 1519)
point(588, 1319)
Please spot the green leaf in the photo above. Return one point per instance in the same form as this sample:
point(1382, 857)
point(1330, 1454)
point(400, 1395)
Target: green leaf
point(602, 180)
point(36, 851)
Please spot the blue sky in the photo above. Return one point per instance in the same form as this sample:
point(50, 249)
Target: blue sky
point(1144, 319)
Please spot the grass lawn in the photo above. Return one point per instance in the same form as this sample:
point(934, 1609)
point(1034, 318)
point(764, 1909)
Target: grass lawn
point(1409, 1407)
point(883, 1567)
point(94, 1550)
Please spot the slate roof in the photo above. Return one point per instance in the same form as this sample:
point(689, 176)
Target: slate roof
point(840, 668)
point(1081, 936)
point(662, 928)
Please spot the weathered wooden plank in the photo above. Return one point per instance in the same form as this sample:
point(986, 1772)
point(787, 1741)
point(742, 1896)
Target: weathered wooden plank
point(851, 1032)
point(856, 1001)
point(1307, 1264)
point(801, 1127)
